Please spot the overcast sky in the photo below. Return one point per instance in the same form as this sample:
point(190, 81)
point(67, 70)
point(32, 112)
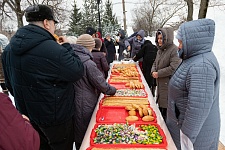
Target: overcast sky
point(118, 8)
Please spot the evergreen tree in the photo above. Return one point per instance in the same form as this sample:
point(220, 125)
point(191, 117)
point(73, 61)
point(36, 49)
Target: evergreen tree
point(89, 13)
point(110, 22)
point(75, 21)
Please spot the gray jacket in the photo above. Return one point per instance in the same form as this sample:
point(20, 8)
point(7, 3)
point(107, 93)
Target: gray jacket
point(134, 43)
point(193, 99)
point(86, 91)
point(165, 64)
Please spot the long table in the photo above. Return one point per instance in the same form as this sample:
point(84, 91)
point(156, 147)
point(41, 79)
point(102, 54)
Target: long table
point(160, 121)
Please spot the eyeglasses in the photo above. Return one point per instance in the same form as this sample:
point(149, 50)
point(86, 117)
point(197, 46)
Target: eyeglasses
point(33, 8)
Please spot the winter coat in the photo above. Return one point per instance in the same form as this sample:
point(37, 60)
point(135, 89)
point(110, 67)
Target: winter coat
point(2, 78)
point(39, 73)
point(165, 64)
point(135, 44)
point(121, 44)
point(148, 53)
point(111, 50)
point(86, 91)
point(3, 42)
point(193, 102)
point(15, 132)
point(100, 60)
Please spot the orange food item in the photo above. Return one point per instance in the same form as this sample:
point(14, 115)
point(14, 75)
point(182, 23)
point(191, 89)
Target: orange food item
point(56, 37)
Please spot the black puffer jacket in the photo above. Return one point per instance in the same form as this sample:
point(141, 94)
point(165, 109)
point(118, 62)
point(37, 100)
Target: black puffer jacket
point(40, 74)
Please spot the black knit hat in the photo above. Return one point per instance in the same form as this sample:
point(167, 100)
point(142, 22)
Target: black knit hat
point(90, 31)
point(39, 13)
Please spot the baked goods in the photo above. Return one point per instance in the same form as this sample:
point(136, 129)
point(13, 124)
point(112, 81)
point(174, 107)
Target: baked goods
point(135, 84)
point(56, 37)
point(124, 101)
point(144, 112)
point(148, 118)
point(132, 113)
point(140, 112)
point(129, 108)
point(131, 118)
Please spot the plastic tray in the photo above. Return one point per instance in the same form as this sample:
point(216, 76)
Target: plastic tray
point(113, 82)
point(117, 114)
point(146, 95)
point(129, 148)
point(161, 145)
point(122, 98)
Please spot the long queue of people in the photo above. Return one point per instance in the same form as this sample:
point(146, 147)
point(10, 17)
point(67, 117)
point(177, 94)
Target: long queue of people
point(56, 82)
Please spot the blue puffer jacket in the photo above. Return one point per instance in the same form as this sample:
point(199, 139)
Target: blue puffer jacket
point(193, 100)
point(40, 74)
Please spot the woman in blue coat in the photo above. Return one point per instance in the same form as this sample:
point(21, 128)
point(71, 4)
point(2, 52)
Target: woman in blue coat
point(193, 116)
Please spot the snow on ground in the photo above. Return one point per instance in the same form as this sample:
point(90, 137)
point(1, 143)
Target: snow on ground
point(219, 49)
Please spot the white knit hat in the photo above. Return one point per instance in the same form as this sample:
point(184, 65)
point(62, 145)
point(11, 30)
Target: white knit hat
point(86, 40)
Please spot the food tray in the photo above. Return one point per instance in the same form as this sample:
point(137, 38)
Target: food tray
point(123, 101)
point(163, 144)
point(117, 114)
point(131, 93)
point(119, 86)
point(123, 86)
point(123, 148)
point(122, 82)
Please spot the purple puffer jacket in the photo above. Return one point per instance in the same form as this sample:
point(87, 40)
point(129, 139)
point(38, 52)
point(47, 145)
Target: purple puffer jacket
point(100, 60)
point(15, 132)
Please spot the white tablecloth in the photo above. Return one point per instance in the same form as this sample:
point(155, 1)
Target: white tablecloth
point(160, 121)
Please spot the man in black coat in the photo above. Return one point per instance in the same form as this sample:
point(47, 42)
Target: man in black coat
point(110, 48)
point(148, 52)
point(39, 73)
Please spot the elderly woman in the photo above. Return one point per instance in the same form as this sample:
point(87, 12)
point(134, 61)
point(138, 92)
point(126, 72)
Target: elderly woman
point(88, 87)
point(164, 66)
point(193, 116)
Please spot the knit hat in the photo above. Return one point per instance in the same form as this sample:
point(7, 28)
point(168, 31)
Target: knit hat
point(98, 43)
point(39, 13)
point(179, 35)
point(86, 40)
point(90, 31)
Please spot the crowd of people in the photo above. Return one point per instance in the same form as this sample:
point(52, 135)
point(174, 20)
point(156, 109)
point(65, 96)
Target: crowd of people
point(56, 82)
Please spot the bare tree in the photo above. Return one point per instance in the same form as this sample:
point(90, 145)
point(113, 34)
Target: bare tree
point(154, 14)
point(203, 6)
point(190, 9)
point(203, 9)
point(14, 9)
